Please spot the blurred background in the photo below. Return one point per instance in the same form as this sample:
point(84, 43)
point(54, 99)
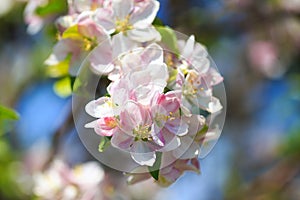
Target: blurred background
point(256, 46)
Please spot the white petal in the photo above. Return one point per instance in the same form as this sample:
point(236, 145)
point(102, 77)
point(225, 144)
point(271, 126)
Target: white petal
point(153, 53)
point(122, 8)
point(215, 105)
point(101, 58)
point(209, 103)
point(99, 108)
point(144, 16)
point(154, 74)
point(142, 154)
point(201, 64)
point(189, 48)
point(144, 35)
point(92, 124)
point(88, 174)
point(104, 17)
point(122, 44)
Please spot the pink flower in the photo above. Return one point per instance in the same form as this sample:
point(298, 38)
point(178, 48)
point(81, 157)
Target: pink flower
point(135, 133)
point(106, 111)
point(168, 123)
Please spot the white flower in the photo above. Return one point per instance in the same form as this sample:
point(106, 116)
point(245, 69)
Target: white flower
point(132, 19)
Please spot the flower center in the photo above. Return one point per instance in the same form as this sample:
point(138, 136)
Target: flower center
point(160, 119)
point(142, 132)
point(110, 122)
point(123, 25)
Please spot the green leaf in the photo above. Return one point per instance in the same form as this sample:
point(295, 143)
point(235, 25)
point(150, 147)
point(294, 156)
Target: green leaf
point(63, 87)
point(7, 113)
point(157, 22)
point(53, 7)
point(154, 170)
point(168, 38)
point(104, 143)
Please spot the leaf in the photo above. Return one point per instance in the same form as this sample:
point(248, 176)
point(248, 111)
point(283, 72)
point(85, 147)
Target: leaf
point(168, 38)
point(157, 22)
point(53, 7)
point(63, 87)
point(104, 143)
point(154, 170)
point(7, 113)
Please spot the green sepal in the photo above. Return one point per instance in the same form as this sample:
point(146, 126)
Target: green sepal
point(154, 170)
point(104, 143)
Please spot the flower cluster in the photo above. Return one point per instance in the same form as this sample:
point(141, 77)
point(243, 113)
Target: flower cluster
point(62, 182)
point(158, 100)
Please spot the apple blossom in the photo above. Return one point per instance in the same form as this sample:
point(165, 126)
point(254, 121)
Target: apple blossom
point(156, 99)
point(132, 19)
point(193, 55)
point(197, 90)
point(35, 22)
point(61, 182)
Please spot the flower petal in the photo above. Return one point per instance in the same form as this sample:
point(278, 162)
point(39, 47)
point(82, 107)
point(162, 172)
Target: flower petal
point(104, 17)
point(144, 16)
point(101, 58)
point(122, 44)
point(142, 154)
point(122, 8)
point(153, 54)
point(92, 124)
point(187, 51)
point(121, 140)
point(99, 108)
point(144, 35)
point(210, 104)
point(134, 115)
